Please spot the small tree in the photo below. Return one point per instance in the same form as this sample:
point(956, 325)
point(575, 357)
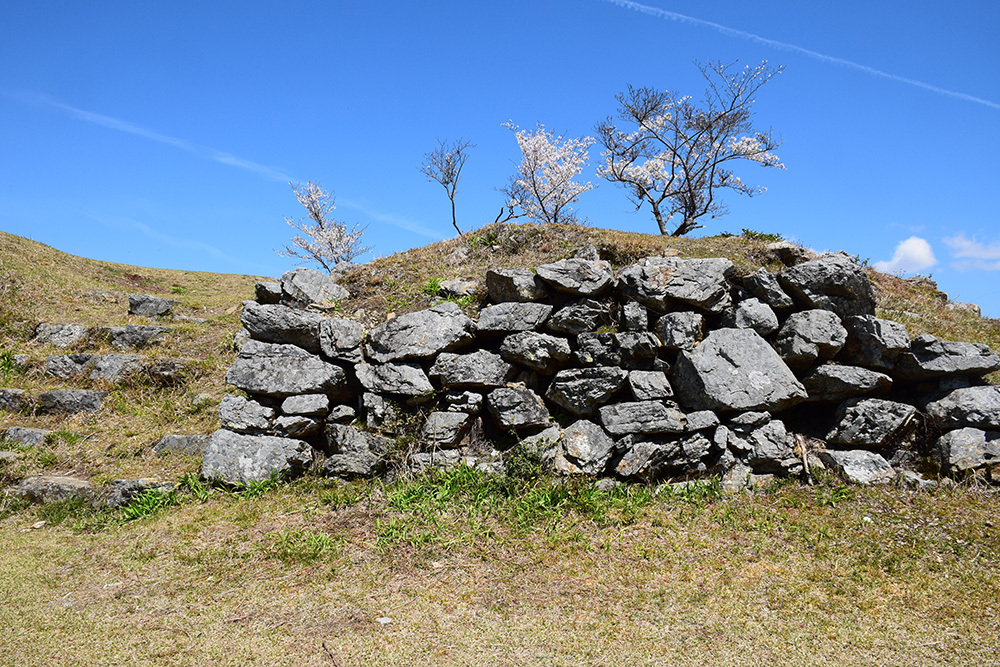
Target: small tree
point(324, 240)
point(543, 187)
point(679, 153)
point(444, 165)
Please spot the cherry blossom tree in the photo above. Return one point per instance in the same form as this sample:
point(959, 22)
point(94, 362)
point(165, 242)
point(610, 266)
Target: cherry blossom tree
point(680, 152)
point(323, 239)
point(543, 187)
point(444, 165)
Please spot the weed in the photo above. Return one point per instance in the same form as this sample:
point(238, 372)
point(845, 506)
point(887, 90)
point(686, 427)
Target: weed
point(432, 287)
point(340, 496)
point(55, 512)
point(258, 488)
point(148, 503)
point(46, 459)
point(831, 497)
point(62, 436)
point(697, 492)
point(300, 546)
point(191, 483)
point(751, 235)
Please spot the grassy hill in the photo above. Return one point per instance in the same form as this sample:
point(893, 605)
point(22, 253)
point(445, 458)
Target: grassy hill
point(457, 568)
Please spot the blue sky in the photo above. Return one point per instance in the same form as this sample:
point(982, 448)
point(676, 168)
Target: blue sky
point(165, 134)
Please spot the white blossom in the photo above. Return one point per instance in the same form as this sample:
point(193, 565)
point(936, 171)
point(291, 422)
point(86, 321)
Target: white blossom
point(323, 239)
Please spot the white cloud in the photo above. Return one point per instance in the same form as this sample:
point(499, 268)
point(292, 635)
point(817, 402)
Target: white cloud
point(912, 255)
point(973, 254)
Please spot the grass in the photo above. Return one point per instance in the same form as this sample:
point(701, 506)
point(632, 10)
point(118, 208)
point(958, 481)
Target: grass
point(456, 567)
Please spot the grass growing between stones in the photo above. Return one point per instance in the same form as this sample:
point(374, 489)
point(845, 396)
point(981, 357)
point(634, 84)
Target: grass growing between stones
point(494, 570)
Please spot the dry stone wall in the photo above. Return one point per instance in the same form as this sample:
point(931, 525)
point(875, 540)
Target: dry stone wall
point(670, 368)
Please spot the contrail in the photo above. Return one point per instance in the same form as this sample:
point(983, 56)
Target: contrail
point(130, 128)
point(732, 32)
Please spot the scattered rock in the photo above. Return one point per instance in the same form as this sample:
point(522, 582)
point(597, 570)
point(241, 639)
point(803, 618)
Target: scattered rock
point(858, 466)
point(238, 459)
point(24, 436)
point(60, 335)
point(187, 445)
point(150, 306)
point(514, 285)
point(71, 401)
point(47, 489)
point(968, 449)
point(124, 491)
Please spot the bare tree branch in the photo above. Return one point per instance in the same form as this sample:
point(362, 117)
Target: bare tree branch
point(444, 165)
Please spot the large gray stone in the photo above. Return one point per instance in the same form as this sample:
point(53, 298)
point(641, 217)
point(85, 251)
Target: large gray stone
point(400, 379)
point(421, 335)
point(635, 317)
point(68, 366)
point(132, 336)
point(642, 417)
point(514, 285)
point(735, 369)
point(275, 323)
point(308, 288)
point(446, 429)
point(354, 453)
point(149, 305)
point(580, 390)
point(833, 281)
point(477, 370)
point(284, 370)
point(71, 401)
point(238, 459)
point(267, 292)
point(681, 330)
point(242, 415)
point(765, 286)
point(649, 385)
point(581, 317)
point(871, 422)
point(14, 400)
point(48, 489)
point(753, 314)
point(833, 382)
point(967, 449)
point(858, 466)
point(24, 436)
point(296, 426)
point(660, 283)
point(117, 367)
point(970, 406)
point(873, 342)
point(188, 445)
point(808, 336)
point(651, 459)
point(60, 335)
point(513, 316)
point(309, 405)
point(930, 358)
point(517, 408)
point(628, 349)
point(537, 351)
point(578, 276)
point(341, 339)
point(584, 448)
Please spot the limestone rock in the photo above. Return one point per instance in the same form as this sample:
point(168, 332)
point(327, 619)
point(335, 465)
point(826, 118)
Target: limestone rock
point(24, 436)
point(978, 407)
point(267, 292)
point(68, 366)
point(735, 369)
point(513, 316)
point(753, 314)
point(124, 491)
point(873, 342)
point(514, 285)
point(833, 382)
point(967, 449)
point(642, 417)
point(583, 316)
point(401, 379)
point(309, 405)
point(237, 459)
point(341, 339)
point(132, 336)
point(308, 288)
point(537, 351)
point(275, 323)
point(149, 305)
point(354, 453)
point(117, 367)
point(930, 358)
point(681, 330)
point(284, 370)
point(14, 400)
point(649, 385)
point(188, 445)
point(871, 422)
point(60, 335)
point(765, 286)
point(50, 488)
point(477, 370)
point(859, 466)
point(578, 276)
point(584, 448)
point(629, 349)
point(517, 408)
point(242, 415)
point(635, 317)
point(71, 401)
point(810, 335)
point(421, 335)
point(660, 283)
point(446, 429)
point(580, 390)
point(834, 282)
